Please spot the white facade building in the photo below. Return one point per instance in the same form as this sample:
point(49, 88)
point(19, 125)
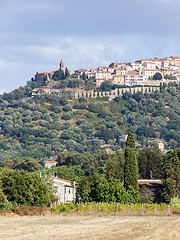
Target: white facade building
point(165, 64)
point(132, 79)
point(120, 71)
point(66, 190)
point(103, 75)
point(50, 164)
point(123, 138)
point(149, 65)
point(149, 73)
point(136, 66)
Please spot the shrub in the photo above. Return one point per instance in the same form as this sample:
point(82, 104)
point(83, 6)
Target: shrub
point(67, 116)
point(67, 108)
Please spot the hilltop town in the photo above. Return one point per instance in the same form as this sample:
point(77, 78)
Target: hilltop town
point(143, 72)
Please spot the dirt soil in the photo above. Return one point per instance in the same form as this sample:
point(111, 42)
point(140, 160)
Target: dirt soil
point(90, 227)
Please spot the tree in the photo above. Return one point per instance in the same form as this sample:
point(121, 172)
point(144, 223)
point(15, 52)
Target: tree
point(84, 76)
point(24, 188)
point(171, 175)
point(67, 74)
point(100, 189)
point(67, 108)
point(114, 166)
point(106, 85)
point(157, 76)
point(130, 167)
point(150, 163)
point(67, 116)
point(29, 165)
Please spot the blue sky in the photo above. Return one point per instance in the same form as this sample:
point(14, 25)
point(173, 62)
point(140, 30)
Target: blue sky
point(36, 35)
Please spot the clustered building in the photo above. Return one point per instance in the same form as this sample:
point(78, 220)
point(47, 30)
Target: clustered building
point(139, 72)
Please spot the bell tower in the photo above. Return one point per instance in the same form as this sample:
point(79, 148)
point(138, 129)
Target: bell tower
point(61, 66)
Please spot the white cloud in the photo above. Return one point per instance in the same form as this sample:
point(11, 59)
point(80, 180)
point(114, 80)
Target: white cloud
point(18, 64)
point(80, 52)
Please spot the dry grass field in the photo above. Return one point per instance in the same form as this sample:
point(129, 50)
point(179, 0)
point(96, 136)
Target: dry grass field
point(90, 227)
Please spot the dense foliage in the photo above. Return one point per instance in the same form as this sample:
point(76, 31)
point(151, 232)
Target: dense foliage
point(45, 125)
point(35, 128)
point(22, 188)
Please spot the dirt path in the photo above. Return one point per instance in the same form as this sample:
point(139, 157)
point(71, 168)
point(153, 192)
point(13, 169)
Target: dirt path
point(89, 227)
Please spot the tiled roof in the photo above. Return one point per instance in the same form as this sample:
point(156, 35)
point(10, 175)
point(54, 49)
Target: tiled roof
point(175, 57)
point(156, 70)
point(64, 182)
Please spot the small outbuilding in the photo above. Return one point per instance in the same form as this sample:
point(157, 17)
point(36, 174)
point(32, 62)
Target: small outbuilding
point(155, 185)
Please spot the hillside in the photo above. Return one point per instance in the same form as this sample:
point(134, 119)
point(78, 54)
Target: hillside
point(45, 125)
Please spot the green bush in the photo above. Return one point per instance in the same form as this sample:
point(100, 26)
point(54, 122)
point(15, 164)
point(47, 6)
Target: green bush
point(22, 188)
point(67, 116)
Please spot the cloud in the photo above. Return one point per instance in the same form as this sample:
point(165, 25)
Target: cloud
point(36, 35)
point(90, 18)
point(76, 52)
point(19, 64)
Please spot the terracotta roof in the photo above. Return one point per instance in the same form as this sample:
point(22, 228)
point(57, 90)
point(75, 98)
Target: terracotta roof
point(64, 182)
point(122, 69)
point(175, 57)
point(156, 70)
point(81, 70)
point(50, 162)
point(103, 72)
point(134, 74)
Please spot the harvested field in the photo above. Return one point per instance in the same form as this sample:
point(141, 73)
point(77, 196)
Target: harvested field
point(90, 227)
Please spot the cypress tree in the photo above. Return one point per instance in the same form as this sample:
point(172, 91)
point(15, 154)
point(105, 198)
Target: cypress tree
point(67, 73)
point(60, 74)
point(171, 175)
point(131, 166)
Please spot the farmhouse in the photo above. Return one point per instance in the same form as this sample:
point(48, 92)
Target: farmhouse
point(50, 164)
point(66, 190)
point(123, 138)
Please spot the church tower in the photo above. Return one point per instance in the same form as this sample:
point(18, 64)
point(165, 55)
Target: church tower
point(61, 66)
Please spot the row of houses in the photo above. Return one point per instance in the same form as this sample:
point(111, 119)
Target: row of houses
point(133, 73)
point(126, 73)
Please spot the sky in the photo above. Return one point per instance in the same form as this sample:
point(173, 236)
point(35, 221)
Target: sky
point(35, 35)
